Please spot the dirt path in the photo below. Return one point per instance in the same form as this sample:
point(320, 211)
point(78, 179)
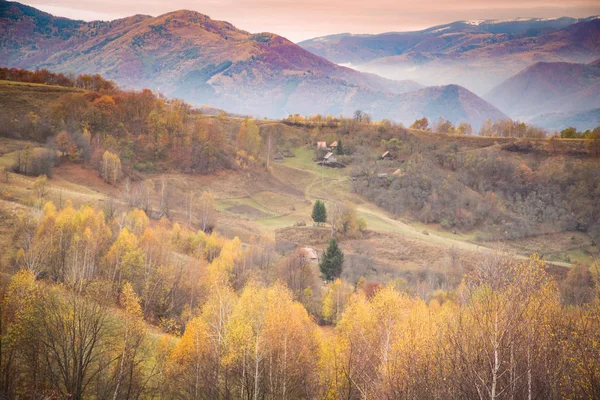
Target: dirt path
point(374, 212)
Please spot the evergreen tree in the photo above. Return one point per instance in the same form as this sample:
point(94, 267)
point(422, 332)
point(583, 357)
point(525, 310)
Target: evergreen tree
point(340, 148)
point(319, 213)
point(332, 262)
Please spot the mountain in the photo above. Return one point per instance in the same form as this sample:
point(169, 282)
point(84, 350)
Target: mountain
point(452, 102)
point(558, 121)
point(475, 54)
point(189, 55)
point(543, 88)
point(186, 54)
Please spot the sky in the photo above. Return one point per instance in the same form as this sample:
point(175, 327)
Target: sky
point(305, 19)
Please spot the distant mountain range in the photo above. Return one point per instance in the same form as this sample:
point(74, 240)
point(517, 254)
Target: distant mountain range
point(189, 55)
point(476, 54)
point(528, 68)
point(549, 88)
point(559, 121)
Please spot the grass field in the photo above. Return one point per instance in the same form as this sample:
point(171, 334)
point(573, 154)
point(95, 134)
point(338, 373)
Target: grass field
point(275, 203)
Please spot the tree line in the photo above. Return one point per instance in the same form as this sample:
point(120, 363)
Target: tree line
point(43, 76)
point(126, 309)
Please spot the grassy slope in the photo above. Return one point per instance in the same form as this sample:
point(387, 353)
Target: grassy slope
point(250, 202)
point(19, 97)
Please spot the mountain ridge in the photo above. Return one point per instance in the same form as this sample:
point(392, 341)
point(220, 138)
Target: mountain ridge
point(478, 56)
point(549, 88)
point(204, 61)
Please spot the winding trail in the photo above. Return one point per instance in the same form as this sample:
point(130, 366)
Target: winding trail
point(371, 211)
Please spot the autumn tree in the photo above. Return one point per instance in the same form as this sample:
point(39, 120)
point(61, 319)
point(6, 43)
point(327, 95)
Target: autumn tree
point(593, 143)
point(344, 220)
point(444, 126)
point(134, 332)
point(40, 187)
point(248, 137)
point(124, 259)
point(487, 128)
point(335, 300)
point(296, 272)
point(392, 145)
point(63, 142)
point(190, 370)
point(499, 332)
point(464, 129)
point(110, 167)
point(273, 357)
point(21, 355)
point(421, 124)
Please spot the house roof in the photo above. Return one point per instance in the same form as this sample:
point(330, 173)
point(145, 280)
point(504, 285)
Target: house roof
point(387, 153)
point(397, 172)
point(328, 155)
point(310, 253)
point(321, 145)
point(334, 144)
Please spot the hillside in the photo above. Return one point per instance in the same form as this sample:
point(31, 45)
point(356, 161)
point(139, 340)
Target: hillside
point(198, 151)
point(559, 121)
point(475, 54)
point(162, 246)
point(452, 102)
point(190, 56)
point(547, 88)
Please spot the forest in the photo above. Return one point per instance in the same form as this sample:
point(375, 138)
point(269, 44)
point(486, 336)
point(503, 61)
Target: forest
point(123, 309)
point(134, 289)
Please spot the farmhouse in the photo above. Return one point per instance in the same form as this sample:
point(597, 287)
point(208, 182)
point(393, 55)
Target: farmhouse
point(322, 145)
point(387, 156)
point(329, 158)
point(334, 145)
point(310, 254)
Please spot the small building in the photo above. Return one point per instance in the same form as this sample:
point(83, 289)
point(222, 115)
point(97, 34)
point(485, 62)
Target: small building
point(329, 158)
point(322, 145)
point(334, 145)
point(310, 254)
point(278, 157)
point(382, 175)
point(387, 156)
point(397, 172)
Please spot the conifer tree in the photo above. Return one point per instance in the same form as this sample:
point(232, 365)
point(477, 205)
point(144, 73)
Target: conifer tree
point(332, 262)
point(340, 148)
point(319, 213)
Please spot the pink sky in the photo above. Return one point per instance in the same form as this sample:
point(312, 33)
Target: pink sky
point(300, 20)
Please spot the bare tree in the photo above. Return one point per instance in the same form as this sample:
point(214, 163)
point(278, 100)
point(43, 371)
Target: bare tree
point(72, 336)
point(207, 213)
point(189, 207)
point(166, 192)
